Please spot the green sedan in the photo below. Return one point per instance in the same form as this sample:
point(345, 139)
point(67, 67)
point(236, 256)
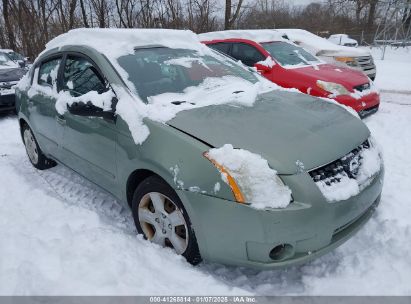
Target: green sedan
point(214, 162)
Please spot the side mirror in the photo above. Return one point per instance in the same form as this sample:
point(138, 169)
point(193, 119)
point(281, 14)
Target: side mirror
point(262, 68)
point(21, 63)
point(90, 110)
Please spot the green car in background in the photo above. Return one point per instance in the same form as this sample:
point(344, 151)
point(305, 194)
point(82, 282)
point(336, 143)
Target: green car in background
point(202, 178)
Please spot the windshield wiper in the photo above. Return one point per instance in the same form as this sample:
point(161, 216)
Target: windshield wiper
point(179, 102)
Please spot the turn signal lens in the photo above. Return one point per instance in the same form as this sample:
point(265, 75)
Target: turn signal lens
point(344, 59)
point(238, 195)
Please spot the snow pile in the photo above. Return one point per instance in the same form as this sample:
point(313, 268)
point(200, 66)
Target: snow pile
point(268, 62)
point(370, 164)
point(259, 183)
point(266, 35)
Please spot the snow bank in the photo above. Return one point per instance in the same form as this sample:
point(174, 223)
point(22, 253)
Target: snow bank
point(266, 35)
point(259, 183)
point(370, 164)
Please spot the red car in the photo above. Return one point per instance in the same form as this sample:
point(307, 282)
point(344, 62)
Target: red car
point(290, 66)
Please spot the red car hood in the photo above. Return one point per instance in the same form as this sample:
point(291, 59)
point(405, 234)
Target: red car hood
point(332, 73)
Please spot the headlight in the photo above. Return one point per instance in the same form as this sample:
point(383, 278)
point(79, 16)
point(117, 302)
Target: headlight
point(332, 87)
point(238, 195)
point(350, 61)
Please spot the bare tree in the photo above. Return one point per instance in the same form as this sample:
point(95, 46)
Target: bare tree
point(230, 18)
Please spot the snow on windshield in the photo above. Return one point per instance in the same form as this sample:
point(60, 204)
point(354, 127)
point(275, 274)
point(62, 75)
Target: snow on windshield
point(6, 62)
point(290, 55)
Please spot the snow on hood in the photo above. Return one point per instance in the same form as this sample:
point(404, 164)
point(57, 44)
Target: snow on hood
point(320, 46)
point(255, 35)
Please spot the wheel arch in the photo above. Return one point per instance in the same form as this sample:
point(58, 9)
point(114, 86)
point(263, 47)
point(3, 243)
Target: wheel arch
point(135, 179)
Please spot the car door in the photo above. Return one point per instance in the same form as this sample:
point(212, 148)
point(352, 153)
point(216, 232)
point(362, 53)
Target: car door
point(43, 116)
point(89, 145)
point(248, 54)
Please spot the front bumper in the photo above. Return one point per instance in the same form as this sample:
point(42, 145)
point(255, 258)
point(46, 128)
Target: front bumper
point(236, 234)
point(365, 106)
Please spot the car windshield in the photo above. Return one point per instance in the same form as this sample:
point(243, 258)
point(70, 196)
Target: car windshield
point(158, 70)
point(4, 59)
point(288, 54)
point(15, 56)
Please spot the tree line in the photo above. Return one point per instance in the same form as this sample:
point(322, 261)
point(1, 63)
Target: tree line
point(27, 25)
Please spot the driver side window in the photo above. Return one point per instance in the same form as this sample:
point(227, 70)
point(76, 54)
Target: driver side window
point(81, 77)
point(248, 54)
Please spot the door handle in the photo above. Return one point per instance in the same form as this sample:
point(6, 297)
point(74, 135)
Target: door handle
point(60, 119)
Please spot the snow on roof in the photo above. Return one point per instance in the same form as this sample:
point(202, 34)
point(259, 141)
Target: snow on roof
point(255, 35)
point(117, 42)
point(315, 43)
point(6, 50)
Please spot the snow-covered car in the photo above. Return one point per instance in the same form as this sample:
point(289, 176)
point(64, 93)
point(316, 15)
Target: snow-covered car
point(16, 57)
point(215, 162)
point(355, 58)
point(343, 39)
point(290, 66)
point(10, 74)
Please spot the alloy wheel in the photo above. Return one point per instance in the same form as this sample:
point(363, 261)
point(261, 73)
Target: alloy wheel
point(163, 222)
point(31, 146)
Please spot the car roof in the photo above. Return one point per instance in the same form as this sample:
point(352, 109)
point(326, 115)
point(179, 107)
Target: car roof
point(117, 42)
point(254, 35)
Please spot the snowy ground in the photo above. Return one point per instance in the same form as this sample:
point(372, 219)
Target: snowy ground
point(393, 73)
point(61, 235)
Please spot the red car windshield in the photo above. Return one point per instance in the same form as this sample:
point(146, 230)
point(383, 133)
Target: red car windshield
point(288, 54)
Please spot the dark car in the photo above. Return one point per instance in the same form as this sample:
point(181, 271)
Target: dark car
point(10, 74)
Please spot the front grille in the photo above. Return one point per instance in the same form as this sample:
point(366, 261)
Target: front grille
point(7, 85)
point(346, 166)
point(362, 87)
point(366, 63)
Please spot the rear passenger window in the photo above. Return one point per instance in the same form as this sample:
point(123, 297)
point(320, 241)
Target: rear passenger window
point(81, 77)
point(48, 72)
point(221, 46)
point(248, 54)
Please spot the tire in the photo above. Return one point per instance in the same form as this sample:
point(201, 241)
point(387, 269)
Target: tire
point(161, 217)
point(36, 156)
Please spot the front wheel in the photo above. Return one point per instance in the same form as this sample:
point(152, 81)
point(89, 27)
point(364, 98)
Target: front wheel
point(36, 156)
point(160, 216)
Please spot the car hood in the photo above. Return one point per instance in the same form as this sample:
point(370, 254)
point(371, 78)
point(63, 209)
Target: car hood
point(331, 73)
point(342, 51)
point(282, 127)
point(13, 74)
